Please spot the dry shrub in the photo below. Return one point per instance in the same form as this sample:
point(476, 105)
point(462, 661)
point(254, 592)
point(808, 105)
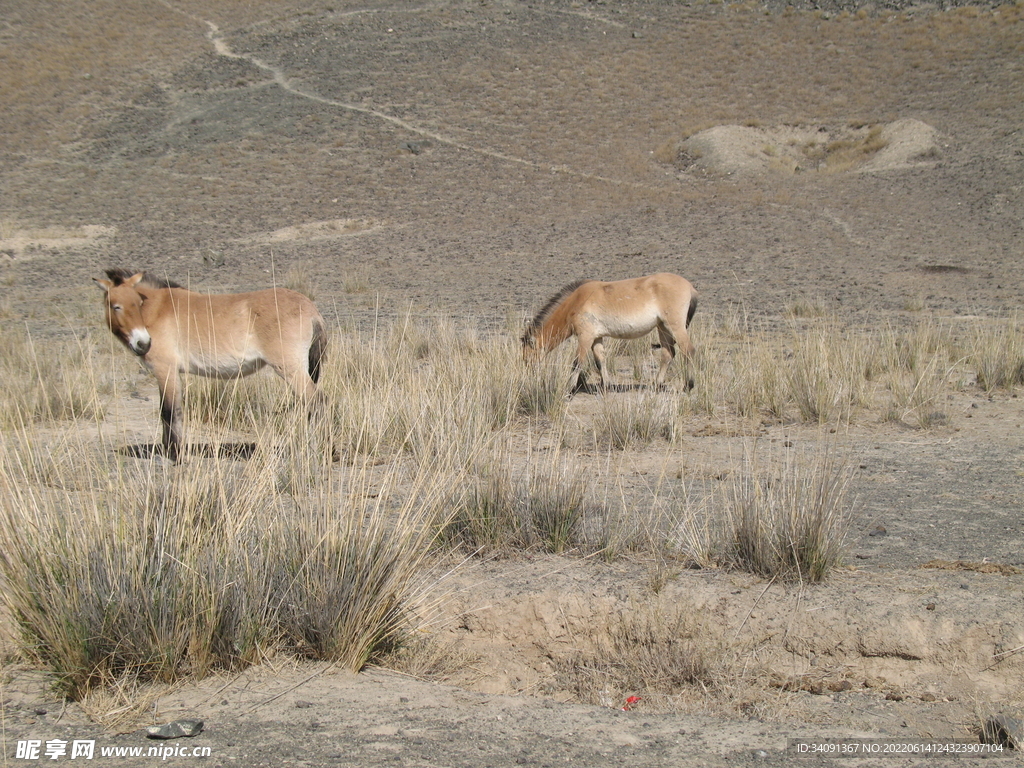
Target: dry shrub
point(919, 395)
point(790, 519)
point(541, 391)
point(633, 419)
point(758, 386)
point(826, 374)
point(657, 651)
point(501, 507)
point(916, 366)
point(997, 355)
point(557, 505)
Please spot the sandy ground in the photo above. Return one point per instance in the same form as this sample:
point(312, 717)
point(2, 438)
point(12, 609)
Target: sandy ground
point(465, 160)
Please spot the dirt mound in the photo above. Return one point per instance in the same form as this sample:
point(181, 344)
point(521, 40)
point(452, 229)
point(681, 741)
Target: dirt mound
point(790, 149)
point(25, 244)
point(317, 230)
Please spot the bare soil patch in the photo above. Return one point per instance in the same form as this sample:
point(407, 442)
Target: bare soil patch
point(728, 149)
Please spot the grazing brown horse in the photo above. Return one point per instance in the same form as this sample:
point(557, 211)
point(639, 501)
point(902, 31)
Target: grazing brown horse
point(175, 331)
point(590, 310)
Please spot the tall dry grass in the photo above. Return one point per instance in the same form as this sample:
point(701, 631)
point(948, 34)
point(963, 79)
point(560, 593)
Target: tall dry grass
point(826, 380)
point(157, 571)
point(49, 380)
point(506, 502)
point(789, 516)
point(116, 567)
point(996, 353)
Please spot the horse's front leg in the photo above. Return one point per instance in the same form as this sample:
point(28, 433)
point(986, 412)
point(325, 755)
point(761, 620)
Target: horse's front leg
point(578, 375)
point(672, 336)
point(170, 410)
point(577, 378)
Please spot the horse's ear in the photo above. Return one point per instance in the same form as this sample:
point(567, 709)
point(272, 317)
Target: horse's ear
point(134, 279)
point(106, 285)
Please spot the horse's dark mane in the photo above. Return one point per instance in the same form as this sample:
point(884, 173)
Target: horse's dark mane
point(118, 276)
point(534, 325)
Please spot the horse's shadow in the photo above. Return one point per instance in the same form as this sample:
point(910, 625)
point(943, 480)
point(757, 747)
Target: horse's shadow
point(593, 389)
point(239, 451)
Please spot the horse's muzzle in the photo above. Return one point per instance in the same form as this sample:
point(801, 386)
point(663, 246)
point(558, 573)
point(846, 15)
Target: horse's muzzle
point(139, 343)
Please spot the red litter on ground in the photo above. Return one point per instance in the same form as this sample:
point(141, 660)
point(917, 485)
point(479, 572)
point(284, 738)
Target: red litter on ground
point(630, 702)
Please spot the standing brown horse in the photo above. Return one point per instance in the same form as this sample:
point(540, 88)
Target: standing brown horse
point(175, 331)
point(624, 309)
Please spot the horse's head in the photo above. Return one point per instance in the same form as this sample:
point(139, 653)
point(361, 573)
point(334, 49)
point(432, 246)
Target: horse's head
point(531, 349)
point(124, 312)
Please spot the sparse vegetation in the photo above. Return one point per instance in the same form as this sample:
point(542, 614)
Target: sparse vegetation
point(655, 651)
point(425, 430)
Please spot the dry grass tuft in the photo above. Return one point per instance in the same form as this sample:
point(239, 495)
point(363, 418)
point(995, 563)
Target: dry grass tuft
point(151, 571)
point(57, 384)
point(826, 375)
point(997, 355)
point(633, 420)
point(501, 507)
point(655, 651)
point(790, 519)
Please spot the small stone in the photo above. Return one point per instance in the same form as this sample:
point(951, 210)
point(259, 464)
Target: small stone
point(1004, 730)
point(300, 704)
point(175, 730)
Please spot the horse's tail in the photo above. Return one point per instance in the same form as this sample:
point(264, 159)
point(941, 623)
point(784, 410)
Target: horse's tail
point(693, 308)
point(317, 349)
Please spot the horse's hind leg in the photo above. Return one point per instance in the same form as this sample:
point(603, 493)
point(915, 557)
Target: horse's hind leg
point(671, 334)
point(311, 395)
point(668, 352)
